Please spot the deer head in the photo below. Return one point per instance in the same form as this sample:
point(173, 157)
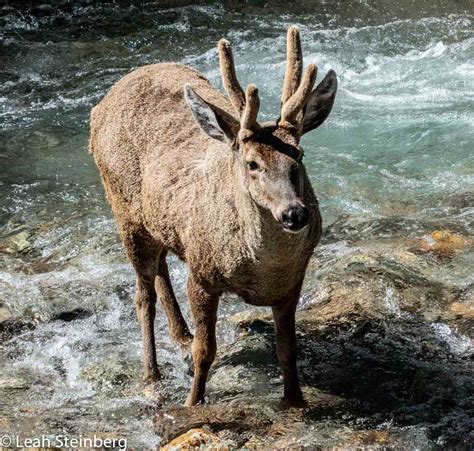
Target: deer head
point(269, 154)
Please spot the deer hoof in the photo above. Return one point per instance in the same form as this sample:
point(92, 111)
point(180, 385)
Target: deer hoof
point(193, 401)
point(151, 391)
point(296, 400)
point(152, 377)
point(184, 339)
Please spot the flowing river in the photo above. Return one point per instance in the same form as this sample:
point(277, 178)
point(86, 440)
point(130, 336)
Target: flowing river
point(394, 159)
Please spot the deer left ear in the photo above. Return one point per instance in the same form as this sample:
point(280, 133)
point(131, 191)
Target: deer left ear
point(320, 102)
point(213, 121)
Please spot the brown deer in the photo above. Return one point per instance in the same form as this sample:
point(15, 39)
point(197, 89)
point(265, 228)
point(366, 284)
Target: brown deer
point(189, 171)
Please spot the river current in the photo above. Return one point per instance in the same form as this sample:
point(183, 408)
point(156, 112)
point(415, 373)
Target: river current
point(399, 142)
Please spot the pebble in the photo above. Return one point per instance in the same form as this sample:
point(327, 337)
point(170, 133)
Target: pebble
point(444, 243)
point(194, 438)
point(463, 309)
point(5, 314)
point(12, 383)
point(17, 243)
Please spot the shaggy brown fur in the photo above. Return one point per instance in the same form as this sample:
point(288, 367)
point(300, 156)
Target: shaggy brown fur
point(226, 194)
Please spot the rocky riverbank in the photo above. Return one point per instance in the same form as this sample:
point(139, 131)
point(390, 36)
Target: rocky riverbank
point(385, 350)
point(385, 332)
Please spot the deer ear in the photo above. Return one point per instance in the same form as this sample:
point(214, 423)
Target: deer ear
point(320, 102)
point(213, 121)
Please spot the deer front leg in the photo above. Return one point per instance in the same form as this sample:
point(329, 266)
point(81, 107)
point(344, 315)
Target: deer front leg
point(284, 317)
point(204, 310)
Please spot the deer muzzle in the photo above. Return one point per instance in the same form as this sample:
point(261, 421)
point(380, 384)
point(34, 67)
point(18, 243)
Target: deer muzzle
point(295, 218)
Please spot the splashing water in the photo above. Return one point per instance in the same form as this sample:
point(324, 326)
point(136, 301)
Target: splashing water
point(399, 140)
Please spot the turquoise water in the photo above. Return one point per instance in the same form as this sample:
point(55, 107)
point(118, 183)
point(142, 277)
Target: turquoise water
point(399, 142)
point(401, 130)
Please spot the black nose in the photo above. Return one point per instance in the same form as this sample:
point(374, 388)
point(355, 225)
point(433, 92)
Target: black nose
point(295, 218)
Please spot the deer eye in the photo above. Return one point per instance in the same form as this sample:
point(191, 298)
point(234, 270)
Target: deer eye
point(253, 165)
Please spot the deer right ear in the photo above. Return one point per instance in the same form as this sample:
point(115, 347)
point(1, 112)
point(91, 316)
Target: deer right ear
point(213, 121)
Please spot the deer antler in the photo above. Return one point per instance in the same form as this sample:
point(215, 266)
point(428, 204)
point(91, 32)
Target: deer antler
point(295, 104)
point(248, 119)
point(294, 66)
point(295, 93)
point(246, 105)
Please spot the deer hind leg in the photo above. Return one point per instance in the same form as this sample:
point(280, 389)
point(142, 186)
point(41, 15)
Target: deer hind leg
point(143, 253)
point(204, 309)
point(177, 325)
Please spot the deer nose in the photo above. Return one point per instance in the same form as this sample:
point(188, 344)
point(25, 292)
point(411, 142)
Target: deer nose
point(295, 218)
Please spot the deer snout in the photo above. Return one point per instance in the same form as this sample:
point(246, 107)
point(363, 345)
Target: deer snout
point(295, 218)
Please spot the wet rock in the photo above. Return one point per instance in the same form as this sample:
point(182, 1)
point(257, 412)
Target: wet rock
point(254, 443)
point(299, 435)
point(398, 367)
point(463, 309)
point(5, 314)
point(9, 325)
point(246, 368)
point(443, 243)
point(248, 318)
point(395, 279)
point(346, 301)
point(14, 326)
point(252, 321)
point(397, 208)
point(372, 438)
point(4, 422)
point(12, 383)
point(238, 417)
point(352, 229)
point(72, 315)
point(41, 265)
point(16, 243)
point(194, 438)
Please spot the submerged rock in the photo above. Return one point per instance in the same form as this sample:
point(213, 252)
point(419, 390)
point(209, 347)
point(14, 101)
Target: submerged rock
point(77, 313)
point(111, 376)
point(461, 200)
point(13, 326)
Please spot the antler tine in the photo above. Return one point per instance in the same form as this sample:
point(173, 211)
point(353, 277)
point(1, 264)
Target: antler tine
point(229, 77)
point(248, 120)
point(297, 101)
point(294, 65)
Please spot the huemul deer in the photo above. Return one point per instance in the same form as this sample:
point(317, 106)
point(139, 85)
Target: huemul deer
point(189, 171)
